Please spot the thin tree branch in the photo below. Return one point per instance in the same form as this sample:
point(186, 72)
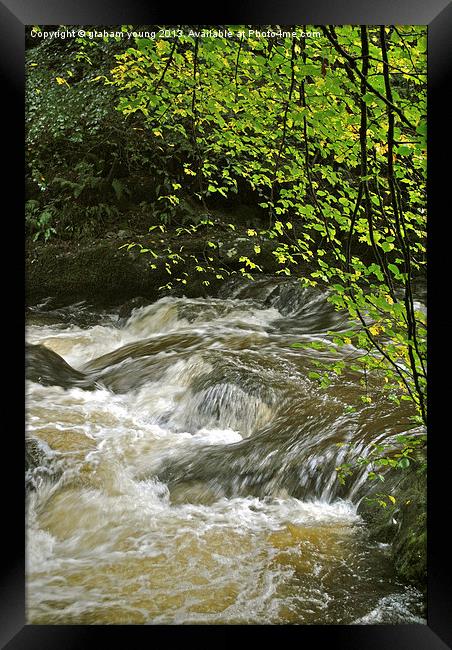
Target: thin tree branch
point(358, 73)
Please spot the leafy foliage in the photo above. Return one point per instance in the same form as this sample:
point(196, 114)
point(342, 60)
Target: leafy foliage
point(77, 150)
point(329, 135)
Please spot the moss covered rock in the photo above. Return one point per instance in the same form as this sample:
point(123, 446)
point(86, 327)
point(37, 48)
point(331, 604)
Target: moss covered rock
point(97, 271)
point(403, 524)
point(104, 272)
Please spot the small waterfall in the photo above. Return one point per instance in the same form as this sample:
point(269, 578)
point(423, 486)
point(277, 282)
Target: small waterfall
point(182, 465)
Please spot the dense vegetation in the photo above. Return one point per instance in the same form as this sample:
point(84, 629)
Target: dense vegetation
point(321, 135)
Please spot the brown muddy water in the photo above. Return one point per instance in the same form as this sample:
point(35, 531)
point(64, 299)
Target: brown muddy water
point(186, 474)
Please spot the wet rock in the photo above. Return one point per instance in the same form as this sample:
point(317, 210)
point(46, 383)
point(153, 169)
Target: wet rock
point(46, 367)
point(127, 308)
point(404, 524)
point(40, 464)
point(34, 454)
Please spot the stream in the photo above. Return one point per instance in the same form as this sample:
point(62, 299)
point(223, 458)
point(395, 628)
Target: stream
point(183, 468)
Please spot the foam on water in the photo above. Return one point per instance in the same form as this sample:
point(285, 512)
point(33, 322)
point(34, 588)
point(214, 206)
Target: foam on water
point(394, 609)
point(79, 345)
point(110, 542)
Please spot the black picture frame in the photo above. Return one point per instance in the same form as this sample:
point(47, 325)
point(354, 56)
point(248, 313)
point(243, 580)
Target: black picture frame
point(14, 16)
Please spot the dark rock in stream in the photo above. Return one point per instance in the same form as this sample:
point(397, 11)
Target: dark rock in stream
point(46, 367)
point(126, 309)
point(34, 454)
point(40, 464)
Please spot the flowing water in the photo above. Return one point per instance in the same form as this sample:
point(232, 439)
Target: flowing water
point(185, 474)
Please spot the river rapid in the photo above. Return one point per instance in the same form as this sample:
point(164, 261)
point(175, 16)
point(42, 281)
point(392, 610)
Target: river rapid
point(187, 473)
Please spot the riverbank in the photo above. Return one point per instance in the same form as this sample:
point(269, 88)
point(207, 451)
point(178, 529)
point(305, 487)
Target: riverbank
point(107, 272)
